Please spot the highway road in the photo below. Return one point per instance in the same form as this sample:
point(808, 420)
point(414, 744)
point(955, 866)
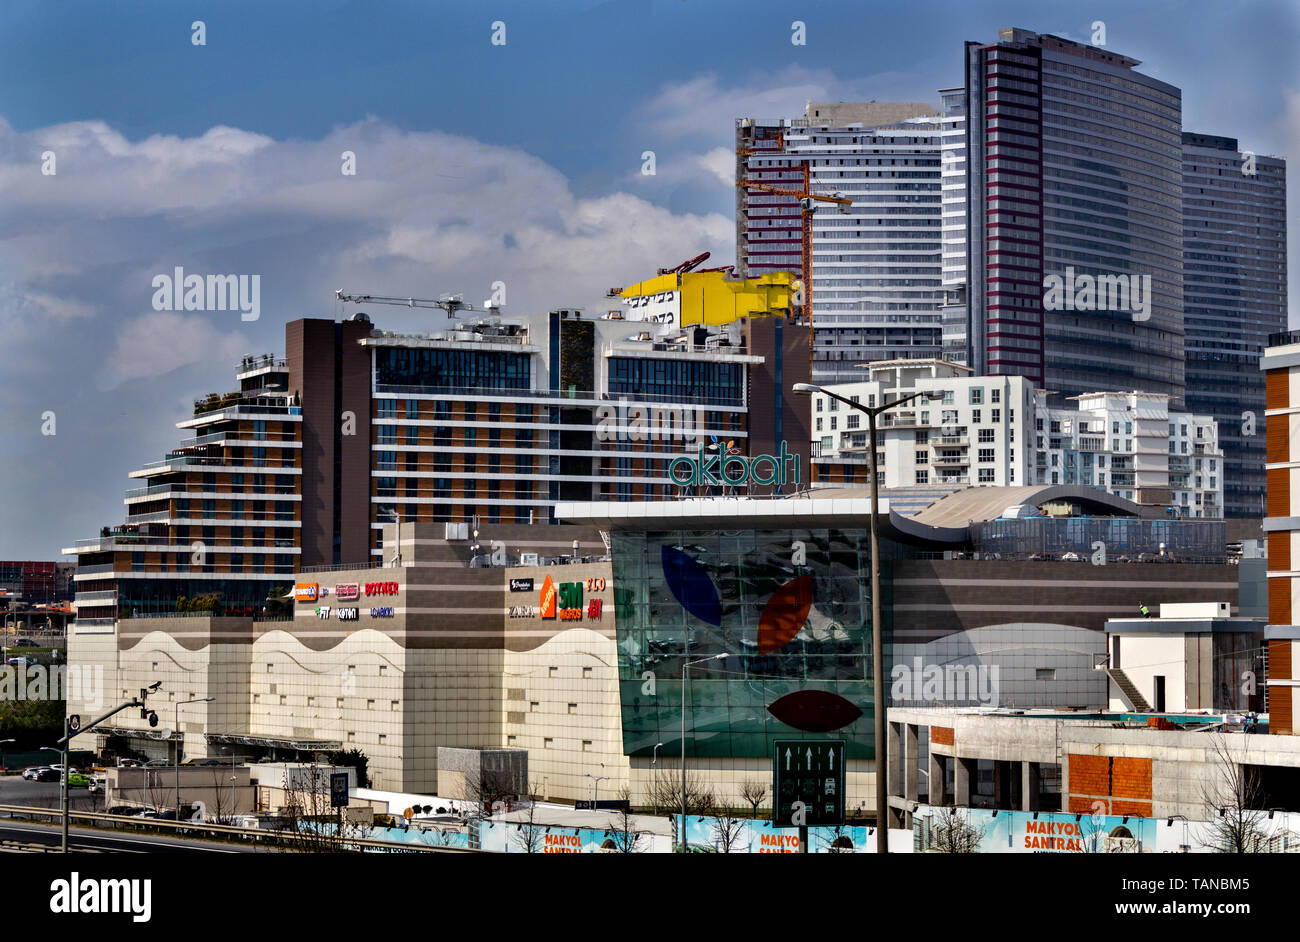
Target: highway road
point(80, 839)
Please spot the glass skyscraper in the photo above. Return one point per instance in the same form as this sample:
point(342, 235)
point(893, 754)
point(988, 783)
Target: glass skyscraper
point(1234, 290)
point(1073, 172)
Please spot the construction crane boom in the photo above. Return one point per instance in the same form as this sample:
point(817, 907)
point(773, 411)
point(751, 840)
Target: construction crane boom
point(453, 304)
point(806, 198)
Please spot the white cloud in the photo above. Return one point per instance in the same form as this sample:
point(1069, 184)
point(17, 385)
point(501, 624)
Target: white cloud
point(161, 341)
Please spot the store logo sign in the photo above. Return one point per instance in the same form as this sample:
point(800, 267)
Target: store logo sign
point(733, 470)
point(306, 591)
point(548, 598)
point(570, 601)
point(347, 614)
point(521, 585)
point(347, 591)
point(385, 612)
point(381, 588)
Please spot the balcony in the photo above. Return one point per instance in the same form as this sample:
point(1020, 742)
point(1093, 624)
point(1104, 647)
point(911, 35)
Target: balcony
point(962, 440)
point(900, 420)
point(949, 461)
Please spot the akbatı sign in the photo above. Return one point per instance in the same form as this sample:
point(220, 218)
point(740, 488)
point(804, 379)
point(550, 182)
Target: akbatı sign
point(732, 470)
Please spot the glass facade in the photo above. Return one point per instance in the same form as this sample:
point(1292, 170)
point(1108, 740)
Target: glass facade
point(678, 380)
point(790, 608)
point(459, 370)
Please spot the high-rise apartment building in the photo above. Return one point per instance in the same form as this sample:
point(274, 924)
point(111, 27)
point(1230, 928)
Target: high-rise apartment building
point(1002, 431)
point(1074, 201)
point(875, 265)
point(492, 422)
point(1234, 296)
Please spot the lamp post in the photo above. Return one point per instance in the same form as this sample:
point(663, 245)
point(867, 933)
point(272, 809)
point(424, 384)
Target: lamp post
point(685, 667)
point(595, 792)
point(877, 643)
point(3, 743)
point(176, 754)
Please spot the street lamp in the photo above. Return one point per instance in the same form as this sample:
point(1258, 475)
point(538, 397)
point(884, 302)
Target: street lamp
point(877, 644)
point(397, 518)
point(685, 667)
point(3, 743)
point(595, 791)
point(176, 753)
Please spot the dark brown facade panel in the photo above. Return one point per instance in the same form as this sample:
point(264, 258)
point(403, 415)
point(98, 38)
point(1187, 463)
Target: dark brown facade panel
point(1279, 551)
point(1279, 601)
point(1279, 659)
point(1279, 491)
point(1280, 720)
point(1277, 389)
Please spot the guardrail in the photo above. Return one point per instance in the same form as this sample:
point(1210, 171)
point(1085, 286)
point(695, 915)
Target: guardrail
point(276, 836)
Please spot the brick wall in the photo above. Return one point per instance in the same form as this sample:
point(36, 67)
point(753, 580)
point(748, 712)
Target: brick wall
point(941, 735)
point(1122, 785)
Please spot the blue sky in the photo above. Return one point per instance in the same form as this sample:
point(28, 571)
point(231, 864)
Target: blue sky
point(476, 163)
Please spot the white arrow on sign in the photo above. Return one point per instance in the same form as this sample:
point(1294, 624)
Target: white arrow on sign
point(831, 756)
point(787, 759)
point(809, 758)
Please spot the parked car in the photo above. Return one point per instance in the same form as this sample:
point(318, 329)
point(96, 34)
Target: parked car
point(78, 780)
point(156, 764)
point(19, 661)
point(97, 784)
point(124, 810)
point(130, 764)
point(29, 773)
point(47, 775)
point(24, 643)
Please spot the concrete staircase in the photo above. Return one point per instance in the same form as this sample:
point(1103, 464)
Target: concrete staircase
point(1136, 702)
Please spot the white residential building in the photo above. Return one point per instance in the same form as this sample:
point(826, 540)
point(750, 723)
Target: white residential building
point(1003, 431)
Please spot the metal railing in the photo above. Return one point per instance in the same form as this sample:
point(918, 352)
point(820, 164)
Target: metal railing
point(276, 836)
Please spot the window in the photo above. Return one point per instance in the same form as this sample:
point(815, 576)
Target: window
point(976, 416)
point(976, 395)
point(986, 435)
point(851, 421)
point(412, 408)
point(922, 476)
point(985, 455)
point(922, 457)
point(819, 403)
point(995, 395)
point(819, 423)
point(922, 436)
point(833, 423)
point(997, 416)
point(986, 475)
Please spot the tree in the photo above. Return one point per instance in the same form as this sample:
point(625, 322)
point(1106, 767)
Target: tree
point(626, 838)
point(753, 792)
point(313, 825)
point(490, 787)
point(951, 832)
point(666, 789)
point(528, 835)
point(352, 759)
point(728, 828)
point(1232, 797)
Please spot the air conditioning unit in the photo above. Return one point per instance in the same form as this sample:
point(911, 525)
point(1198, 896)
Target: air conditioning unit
point(456, 531)
point(528, 559)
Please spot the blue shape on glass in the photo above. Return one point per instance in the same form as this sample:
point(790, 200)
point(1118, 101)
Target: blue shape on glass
point(691, 585)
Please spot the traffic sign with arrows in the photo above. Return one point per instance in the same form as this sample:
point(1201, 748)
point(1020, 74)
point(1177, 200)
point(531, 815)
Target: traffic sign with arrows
point(807, 783)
